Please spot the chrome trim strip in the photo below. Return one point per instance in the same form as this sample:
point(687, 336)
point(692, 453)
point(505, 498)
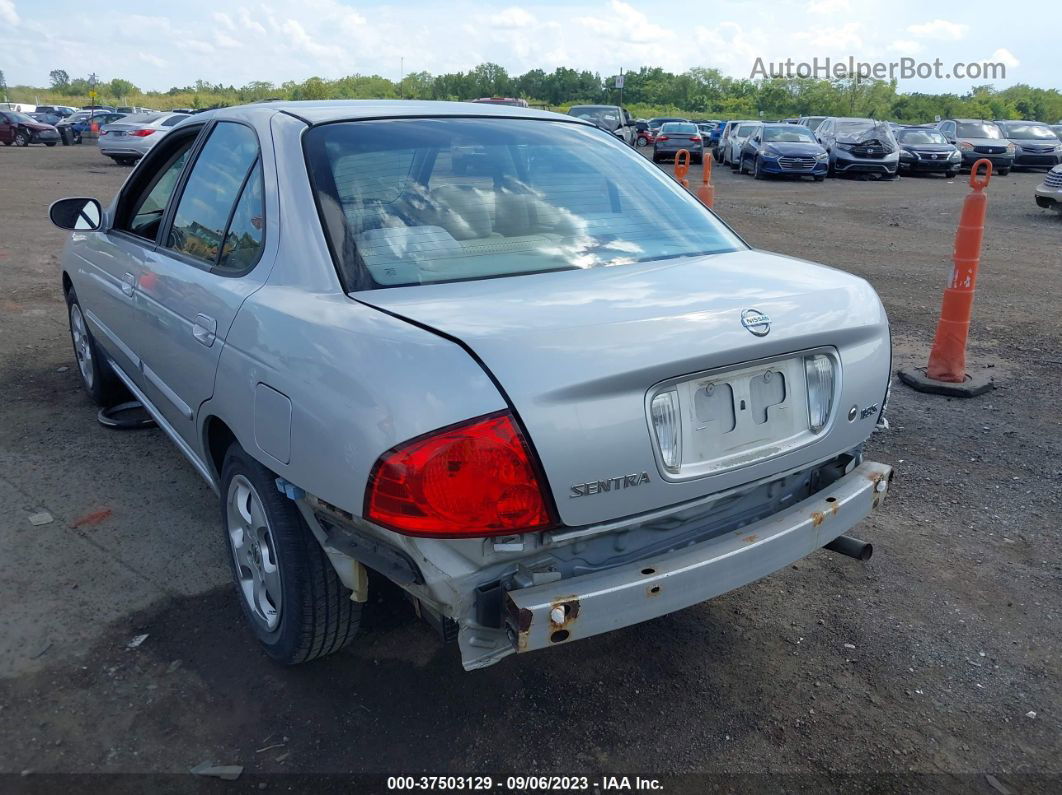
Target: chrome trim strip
point(161, 421)
point(169, 394)
point(113, 338)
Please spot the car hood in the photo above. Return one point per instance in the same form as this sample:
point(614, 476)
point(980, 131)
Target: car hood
point(796, 148)
point(984, 141)
point(38, 126)
point(927, 147)
point(577, 351)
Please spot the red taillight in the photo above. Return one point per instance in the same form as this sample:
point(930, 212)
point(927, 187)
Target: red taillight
point(103, 132)
point(473, 479)
point(141, 133)
point(661, 138)
point(696, 138)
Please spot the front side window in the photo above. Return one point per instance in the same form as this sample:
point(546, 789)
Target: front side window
point(211, 191)
point(147, 213)
point(417, 201)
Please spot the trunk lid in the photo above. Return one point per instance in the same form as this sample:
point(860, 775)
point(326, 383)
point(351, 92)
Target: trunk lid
point(578, 352)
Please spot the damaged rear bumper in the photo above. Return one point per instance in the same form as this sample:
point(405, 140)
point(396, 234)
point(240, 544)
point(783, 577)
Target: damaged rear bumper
point(580, 607)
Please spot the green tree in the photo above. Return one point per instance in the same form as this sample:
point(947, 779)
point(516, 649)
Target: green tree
point(119, 88)
point(59, 78)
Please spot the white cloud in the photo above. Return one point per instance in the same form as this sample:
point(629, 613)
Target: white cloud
point(512, 18)
point(224, 20)
point(8, 13)
point(939, 29)
point(827, 6)
point(845, 38)
point(147, 57)
point(1004, 56)
point(226, 41)
point(905, 47)
point(626, 24)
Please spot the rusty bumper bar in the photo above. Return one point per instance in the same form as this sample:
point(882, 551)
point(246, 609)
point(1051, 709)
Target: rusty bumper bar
point(563, 611)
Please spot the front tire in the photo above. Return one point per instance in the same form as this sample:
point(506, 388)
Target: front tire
point(1003, 172)
point(21, 139)
point(49, 143)
point(97, 376)
point(294, 602)
point(757, 172)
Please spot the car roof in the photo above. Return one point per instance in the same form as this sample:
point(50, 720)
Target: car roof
point(324, 111)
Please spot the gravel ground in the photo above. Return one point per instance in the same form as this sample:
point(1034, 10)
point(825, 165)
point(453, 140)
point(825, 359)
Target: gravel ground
point(934, 664)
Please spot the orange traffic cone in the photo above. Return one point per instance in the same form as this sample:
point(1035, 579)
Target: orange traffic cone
point(946, 373)
point(706, 193)
point(682, 167)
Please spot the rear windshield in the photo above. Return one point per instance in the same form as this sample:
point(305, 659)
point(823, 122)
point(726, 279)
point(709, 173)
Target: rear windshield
point(419, 201)
point(607, 116)
point(977, 129)
point(679, 128)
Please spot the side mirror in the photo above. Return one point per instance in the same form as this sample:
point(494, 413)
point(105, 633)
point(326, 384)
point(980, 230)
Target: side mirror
point(79, 214)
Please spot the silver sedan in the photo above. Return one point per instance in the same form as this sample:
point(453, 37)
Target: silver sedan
point(129, 139)
point(549, 396)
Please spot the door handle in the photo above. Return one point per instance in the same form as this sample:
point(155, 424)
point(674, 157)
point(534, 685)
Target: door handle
point(128, 283)
point(205, 329)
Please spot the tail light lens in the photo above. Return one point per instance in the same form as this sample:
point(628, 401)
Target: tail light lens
point(696, 138)
point(103, 132)
point(468, 480)
point(664, 411)
point(820, 378)
point(661, 138)
point(141, 133)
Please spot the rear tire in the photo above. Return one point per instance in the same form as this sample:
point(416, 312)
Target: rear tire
point(295, 604)
point(99, 380)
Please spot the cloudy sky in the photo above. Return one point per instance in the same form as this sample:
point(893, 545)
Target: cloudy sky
point(161, 44)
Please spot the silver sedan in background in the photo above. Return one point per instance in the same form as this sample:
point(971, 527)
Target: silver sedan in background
point(129, 139)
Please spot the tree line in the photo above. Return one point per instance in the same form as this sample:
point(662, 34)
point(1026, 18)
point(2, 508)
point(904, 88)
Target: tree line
point(699, 92)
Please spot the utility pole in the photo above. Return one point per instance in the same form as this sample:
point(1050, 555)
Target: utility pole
point(621, 87)
point(401, 76)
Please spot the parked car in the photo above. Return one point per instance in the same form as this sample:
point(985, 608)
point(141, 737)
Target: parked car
point(645, 135)
point(811, 122)
point(717, 131)
point(721, 143)
point(859, 146)
point(18, 107)
point(130, 110)
point(1035, 144)
point(81, 122)
point(45, 118)
point(675, 136)
point(510, 101)
point(924, 149)
point(610, 118)
point(18, 129)
point(979, 139)
point(733, 139)
point(59, 110)
point(783, 148)
point(1049, 192)
point(378, 365)
point(129, 138)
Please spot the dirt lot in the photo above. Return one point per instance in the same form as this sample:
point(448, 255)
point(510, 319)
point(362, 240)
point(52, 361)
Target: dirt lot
point(938, 658)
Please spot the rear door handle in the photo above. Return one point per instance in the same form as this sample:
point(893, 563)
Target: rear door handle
point(128, 283)
point(205, 329)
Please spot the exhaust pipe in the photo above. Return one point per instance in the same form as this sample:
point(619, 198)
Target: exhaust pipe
point(852, 547)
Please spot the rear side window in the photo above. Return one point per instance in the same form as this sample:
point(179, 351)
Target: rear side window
point(243, 240)
point(211, 192)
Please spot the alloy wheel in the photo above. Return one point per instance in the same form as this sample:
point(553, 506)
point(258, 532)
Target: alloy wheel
point(82, 347)
point(254, 552)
